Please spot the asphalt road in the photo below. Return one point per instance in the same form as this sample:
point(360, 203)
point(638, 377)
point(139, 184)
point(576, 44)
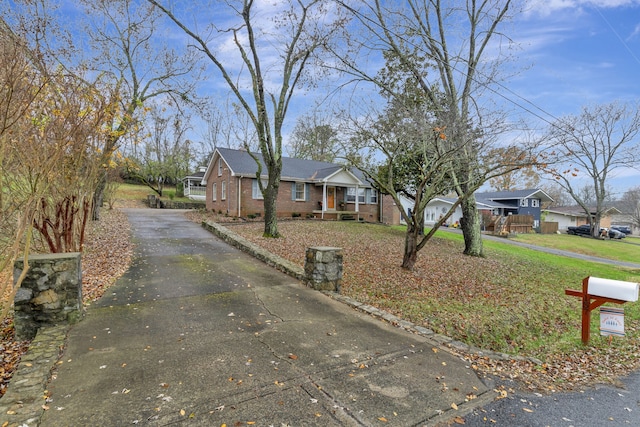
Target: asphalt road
point(600, 406)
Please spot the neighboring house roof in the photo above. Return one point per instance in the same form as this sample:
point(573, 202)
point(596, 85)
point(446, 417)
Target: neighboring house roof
point(195, 176)
point(480, 203)
point(495, 199)
point(530, 193)
point(577, 211)
point(241, 163)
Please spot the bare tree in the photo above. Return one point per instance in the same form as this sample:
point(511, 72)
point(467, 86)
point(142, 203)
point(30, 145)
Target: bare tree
point(313, 138)
point(122, 35)
point(557, 193)
point(164, 154)
point(453, 39)
point(517, 179)
point(630, 205)
point(586, 150)
point(292, 34)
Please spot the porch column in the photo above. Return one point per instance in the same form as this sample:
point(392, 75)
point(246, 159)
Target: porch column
point(324, 199)
point(357, 199)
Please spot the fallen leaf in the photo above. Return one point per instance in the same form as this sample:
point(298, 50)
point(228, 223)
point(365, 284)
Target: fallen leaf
point(458, 420)
point(182, 412)
point(383, 419)
point(454, 406)
point(293, 357)
point(527, 410)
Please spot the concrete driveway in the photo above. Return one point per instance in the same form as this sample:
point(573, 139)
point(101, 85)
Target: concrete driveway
point(198, 333)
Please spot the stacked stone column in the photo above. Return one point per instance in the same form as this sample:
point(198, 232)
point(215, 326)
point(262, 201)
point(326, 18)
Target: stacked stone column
point(50, 294)
point(323, 268)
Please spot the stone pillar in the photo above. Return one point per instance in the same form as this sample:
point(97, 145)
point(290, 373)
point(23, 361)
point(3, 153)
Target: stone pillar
point(50, 294)
point(323, 268)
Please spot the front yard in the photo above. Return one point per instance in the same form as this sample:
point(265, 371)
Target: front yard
point(512, 301)
point(627, 249)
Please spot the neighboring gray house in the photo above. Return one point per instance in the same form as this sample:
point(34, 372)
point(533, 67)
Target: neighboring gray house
point(496, 203)
point(571, 216)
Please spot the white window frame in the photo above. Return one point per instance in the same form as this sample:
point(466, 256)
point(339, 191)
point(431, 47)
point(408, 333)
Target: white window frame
point(301, 188)
point(351, 195)
point(219, 167)
point(524, 203)
point(373, 196)
point(223, 191)
point(361, 195)
point(214, 191)
point(256, 194)
point(535, 203)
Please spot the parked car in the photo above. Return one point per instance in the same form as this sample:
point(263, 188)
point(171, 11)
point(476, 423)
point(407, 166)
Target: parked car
point(625, 229)
point(585, 230)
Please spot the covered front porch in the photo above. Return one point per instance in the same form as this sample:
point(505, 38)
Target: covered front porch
point(340, 196)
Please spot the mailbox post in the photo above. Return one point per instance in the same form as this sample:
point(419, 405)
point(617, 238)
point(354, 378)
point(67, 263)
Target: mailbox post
point(597, 291)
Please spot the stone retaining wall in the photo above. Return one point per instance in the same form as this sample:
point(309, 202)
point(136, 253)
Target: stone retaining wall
point(154, 202)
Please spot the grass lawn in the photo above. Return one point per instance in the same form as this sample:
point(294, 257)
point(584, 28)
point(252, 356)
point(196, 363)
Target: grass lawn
point(135, 192)
point(512, 301)
point(627, 249)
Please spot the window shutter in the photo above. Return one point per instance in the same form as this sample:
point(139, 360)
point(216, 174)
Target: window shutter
point(254, 189)
point(307, 192)
point(293, 191)
point(367, 195)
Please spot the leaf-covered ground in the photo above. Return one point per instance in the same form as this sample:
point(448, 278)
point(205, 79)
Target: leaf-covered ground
point(498, 303)
point(486, 302)
point(106, 256)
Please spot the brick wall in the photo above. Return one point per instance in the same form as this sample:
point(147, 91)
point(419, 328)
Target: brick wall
point(229, 204)
point(390, 213)
point(286, 206)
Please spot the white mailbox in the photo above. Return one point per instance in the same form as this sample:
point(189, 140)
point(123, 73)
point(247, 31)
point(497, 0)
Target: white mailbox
point(614, 289)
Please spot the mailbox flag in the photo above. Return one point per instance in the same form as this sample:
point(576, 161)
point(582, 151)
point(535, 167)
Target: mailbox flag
point(612, 321)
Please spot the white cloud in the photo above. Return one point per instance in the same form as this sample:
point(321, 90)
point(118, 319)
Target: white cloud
point(549, 7)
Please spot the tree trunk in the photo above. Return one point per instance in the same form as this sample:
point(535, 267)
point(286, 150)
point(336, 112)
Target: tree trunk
point(98, 196)
point(410, 247)
point(470, 224)
point(270, 213)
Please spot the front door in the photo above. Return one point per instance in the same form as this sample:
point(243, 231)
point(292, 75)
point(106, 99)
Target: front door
point(331, 198)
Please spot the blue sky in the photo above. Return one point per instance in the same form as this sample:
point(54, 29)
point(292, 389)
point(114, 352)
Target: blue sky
point(579, 53)
point(570, 54)
point(575, 54)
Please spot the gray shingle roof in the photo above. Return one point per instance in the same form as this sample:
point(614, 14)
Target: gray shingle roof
point(241, 163)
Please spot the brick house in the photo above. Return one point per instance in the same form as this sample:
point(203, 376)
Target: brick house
point(308, 188)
